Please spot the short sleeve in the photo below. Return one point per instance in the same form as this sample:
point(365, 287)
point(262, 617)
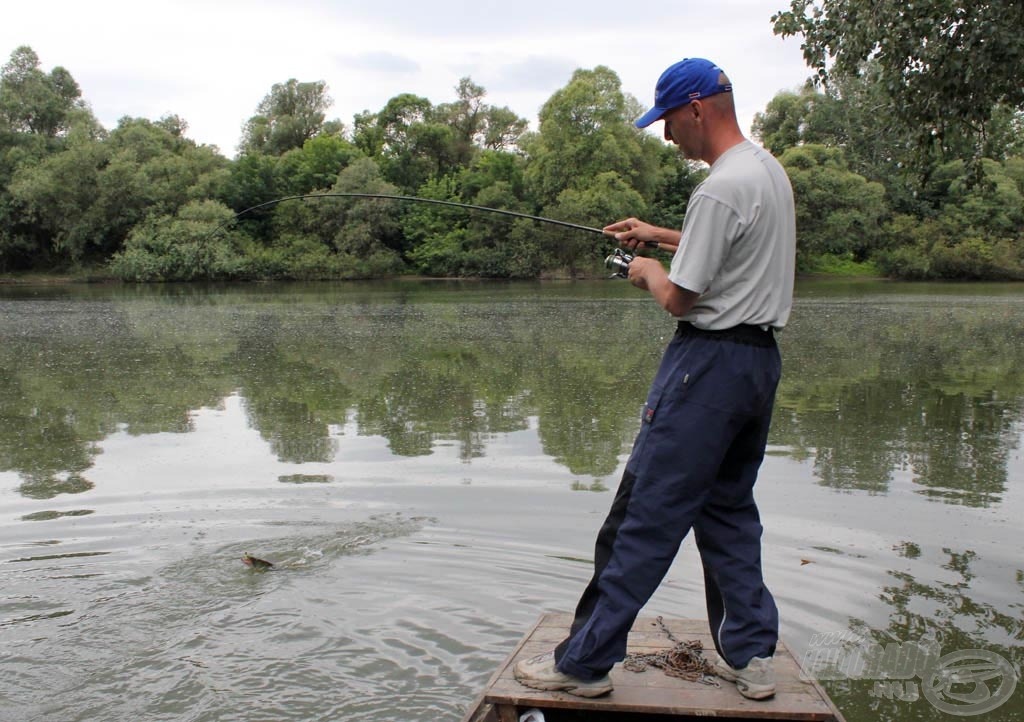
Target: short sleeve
point(709, 230)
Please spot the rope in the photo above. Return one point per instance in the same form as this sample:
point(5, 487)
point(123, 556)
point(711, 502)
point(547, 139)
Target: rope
point(685, 660)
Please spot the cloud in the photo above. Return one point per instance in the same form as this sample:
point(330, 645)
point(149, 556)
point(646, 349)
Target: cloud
point(378, 61)
point(213, 73)
point(533, 73)
point(483, 19)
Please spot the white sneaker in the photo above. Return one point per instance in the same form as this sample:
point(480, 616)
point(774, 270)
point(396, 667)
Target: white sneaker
point(755, 681)
point(540, 672)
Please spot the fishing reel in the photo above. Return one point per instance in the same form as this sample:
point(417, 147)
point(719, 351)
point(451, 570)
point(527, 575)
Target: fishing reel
point(619, 262)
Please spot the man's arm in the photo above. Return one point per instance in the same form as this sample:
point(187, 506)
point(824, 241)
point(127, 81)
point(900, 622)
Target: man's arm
point(631, 232)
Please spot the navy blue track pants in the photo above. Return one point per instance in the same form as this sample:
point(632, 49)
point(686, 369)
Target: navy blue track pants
point(693, 465)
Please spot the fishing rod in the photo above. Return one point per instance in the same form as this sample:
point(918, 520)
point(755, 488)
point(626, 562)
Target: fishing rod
point(618, 262)
point(415, 199)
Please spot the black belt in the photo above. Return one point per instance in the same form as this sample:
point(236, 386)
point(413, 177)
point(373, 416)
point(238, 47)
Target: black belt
point(744, 333)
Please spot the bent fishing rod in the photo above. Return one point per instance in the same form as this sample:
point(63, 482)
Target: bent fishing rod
point(618, 262)
point(414, 199)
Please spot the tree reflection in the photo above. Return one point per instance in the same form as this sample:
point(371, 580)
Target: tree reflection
point(900, 391)
point(890, 390)
point(943, 612)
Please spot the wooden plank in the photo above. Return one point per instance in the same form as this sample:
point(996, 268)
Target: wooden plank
point(655, 693)
point(836, 714)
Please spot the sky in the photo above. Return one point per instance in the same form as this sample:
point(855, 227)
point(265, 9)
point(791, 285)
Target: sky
point(212, 61)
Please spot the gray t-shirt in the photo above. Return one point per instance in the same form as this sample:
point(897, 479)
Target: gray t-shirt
point(738, 248)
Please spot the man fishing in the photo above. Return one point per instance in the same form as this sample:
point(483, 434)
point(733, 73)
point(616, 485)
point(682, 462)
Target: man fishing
point(705, 424)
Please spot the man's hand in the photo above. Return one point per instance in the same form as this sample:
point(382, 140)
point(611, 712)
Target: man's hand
point(643, 271)
point(631, 232)
point(650, 275)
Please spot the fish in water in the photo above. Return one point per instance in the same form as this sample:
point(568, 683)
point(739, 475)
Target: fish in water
point(255, 562)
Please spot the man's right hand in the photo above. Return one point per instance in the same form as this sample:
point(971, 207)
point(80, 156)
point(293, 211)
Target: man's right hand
point(632, 232)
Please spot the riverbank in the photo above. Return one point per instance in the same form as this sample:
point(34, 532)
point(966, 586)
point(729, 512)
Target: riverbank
point(825, 266)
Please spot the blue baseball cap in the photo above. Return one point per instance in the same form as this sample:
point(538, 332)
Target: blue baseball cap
point(682, 83)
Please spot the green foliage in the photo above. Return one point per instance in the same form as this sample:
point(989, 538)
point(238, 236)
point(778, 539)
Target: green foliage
point(32, 101)
point(679, 177)
point(366, 229)
point(446, 241)
point(253, 181)
point(188, 246)
point(436, 234)
point(609, 196)
point(316, 165)
point(944, 64)
point(415, 141)
point(846, 115)
point(585, 130)
point(72, 194)
point(783, 123)
point(976, 232)
point(837, 212)
point(56, 197)
point(476, 125)
point(286, 118)
point(84, 200)
point(393, 136)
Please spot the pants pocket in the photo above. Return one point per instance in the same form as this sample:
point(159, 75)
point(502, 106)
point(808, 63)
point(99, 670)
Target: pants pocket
point(647, 416)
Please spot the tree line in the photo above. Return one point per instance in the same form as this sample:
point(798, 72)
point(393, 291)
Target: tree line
point(894, 171)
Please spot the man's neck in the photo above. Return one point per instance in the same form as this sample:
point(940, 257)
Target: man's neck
point(721, 143)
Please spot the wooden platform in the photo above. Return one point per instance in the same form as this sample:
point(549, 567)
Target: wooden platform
point(650, 695)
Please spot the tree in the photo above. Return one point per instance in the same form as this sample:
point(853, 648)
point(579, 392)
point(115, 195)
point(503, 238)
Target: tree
point(41, 114)
point(975, 231)
point(454, 242)
point(586, 129)
point(837, 211)
point(396, 137)
point(191, 244)
point(502, 129)
point(287, 117)
point(415, 141)
point(608, 196)
point(84, 200)
point(55, 197)
point(944, 64)
point(32, 101)
point(849, 114)
point(477, 125)
point(466, 119)
point(783, 124)
point(679, 177)
point(316, 165)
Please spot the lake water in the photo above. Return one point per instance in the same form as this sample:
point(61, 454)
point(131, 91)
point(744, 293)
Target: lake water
point(427, 464)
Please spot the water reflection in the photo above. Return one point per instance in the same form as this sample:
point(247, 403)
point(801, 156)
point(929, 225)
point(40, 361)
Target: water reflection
point(890, 388)
point(291, 421)
point(875, 390)
point(947, 618)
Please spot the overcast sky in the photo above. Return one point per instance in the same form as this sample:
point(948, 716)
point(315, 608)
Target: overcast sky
point(212, 61)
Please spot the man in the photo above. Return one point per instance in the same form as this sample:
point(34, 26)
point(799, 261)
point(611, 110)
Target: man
point(705, 424)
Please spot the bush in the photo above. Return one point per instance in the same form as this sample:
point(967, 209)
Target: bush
point(907, 262)
point(192, 245)
point(948, 247)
